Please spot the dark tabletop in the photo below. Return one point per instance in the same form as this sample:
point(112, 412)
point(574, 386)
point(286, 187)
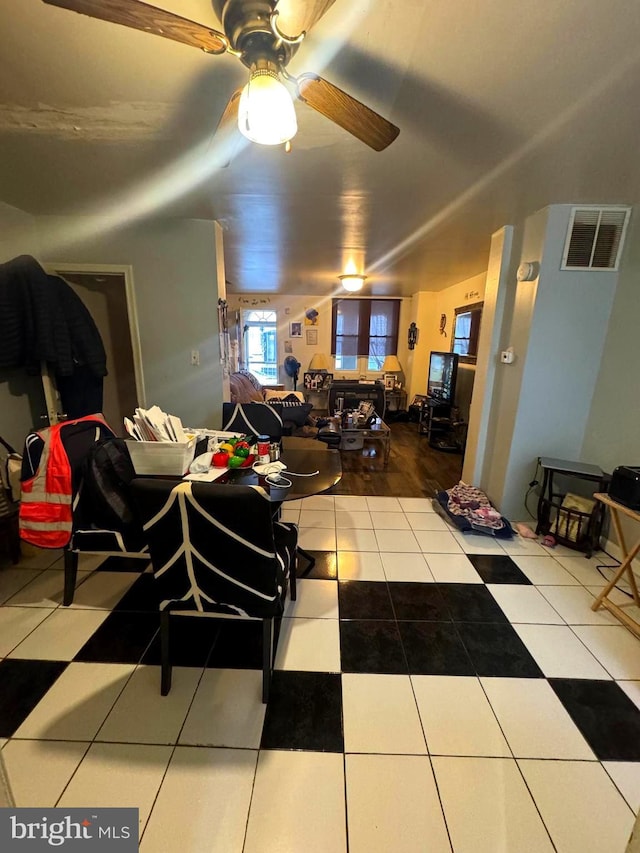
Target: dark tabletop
point(302, 456)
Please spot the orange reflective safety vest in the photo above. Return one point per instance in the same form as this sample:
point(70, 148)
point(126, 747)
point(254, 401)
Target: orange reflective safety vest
point(46, 511)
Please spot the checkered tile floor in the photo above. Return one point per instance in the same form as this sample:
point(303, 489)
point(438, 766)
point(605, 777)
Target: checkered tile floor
point(432, 692)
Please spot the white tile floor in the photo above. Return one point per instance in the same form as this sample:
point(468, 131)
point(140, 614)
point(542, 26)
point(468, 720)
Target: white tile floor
point(431, 762)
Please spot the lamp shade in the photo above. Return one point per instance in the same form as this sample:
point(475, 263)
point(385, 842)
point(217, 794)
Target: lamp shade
point(391, 364)
point(352, 281)
point(319, 361)
point(266, 113)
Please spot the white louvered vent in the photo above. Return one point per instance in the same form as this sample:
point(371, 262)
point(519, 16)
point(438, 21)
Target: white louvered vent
point(595, 238)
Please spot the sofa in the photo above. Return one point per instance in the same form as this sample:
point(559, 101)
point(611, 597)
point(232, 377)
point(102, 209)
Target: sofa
point(296, 414)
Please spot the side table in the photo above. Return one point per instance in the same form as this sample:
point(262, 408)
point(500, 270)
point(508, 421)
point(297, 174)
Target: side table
point(574, 528)
point(628, 556)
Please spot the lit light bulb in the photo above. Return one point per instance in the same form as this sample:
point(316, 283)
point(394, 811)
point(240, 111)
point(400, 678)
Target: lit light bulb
point(266, 114)
point(352, 281)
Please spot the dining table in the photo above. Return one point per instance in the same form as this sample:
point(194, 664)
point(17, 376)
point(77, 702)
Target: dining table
point(311, 467)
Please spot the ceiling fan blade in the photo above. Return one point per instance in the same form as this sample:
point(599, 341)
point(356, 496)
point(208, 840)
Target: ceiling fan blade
point(297, 16)
point(353, 116)
point(149, 19)
point(229, 117)
point(225, 132)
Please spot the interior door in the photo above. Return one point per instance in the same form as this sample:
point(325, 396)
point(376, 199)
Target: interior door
point(104, 295)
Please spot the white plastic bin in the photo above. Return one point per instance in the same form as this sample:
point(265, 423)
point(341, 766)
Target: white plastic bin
point(162, 457)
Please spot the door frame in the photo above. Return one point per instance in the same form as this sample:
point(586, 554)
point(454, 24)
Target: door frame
point(125, 270)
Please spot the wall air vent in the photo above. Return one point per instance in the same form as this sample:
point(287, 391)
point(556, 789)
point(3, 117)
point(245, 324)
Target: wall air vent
point(595, 238)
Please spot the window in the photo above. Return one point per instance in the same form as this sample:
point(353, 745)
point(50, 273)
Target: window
point(260, 345)
point(363, 332)
point(467, 331)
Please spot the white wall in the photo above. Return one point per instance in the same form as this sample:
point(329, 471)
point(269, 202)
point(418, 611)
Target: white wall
point(21, 396)
point(175, 277)
point(557, 327)
point(612, 434)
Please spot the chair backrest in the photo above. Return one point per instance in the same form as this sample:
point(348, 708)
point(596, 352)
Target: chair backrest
point(212, 546)
point(253, 418)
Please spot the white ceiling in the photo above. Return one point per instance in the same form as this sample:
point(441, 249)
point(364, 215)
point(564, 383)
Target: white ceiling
point(504, 107)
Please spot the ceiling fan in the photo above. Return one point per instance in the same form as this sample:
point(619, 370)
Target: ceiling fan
point(263, 109)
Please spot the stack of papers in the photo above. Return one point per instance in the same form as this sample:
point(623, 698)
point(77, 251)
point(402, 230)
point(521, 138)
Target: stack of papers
point(155, 425)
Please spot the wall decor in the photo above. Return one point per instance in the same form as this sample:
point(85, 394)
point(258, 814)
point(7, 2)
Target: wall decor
point(288, 346)
point(312, 337)
point(412, 336)
point(311, 317)
point(295, 330)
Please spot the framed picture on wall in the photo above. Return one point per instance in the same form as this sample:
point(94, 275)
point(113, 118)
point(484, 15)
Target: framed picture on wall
point(312, 337)
point(295, 330)
point(317, 381)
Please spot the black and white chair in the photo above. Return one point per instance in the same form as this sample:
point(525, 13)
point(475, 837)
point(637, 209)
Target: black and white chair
point(253, 418)
point(216, 550)
point(94, 531)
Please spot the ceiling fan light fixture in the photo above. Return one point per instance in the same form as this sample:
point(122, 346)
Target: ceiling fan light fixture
point(352, 281)
point(266, 114)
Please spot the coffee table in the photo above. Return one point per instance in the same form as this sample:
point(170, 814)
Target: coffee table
point(377, 431)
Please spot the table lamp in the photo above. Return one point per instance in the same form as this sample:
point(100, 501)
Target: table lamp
point(319, 362)
point(392, 365)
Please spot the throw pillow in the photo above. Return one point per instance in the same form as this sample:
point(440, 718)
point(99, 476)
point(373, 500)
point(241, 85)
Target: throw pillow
point(283, 395)
point(293, 410)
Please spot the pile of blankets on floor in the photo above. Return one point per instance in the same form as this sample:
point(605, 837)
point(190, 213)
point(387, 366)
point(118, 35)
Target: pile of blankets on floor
point(471, 511)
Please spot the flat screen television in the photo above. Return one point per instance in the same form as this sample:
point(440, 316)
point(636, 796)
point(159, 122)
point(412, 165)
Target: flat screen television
point(441, 381)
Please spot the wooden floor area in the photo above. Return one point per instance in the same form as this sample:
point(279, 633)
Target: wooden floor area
point(414, 469)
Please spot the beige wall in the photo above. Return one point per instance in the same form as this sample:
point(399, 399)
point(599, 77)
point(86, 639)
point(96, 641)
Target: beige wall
point(426, 310)
point(291, 309)
point(175, 278)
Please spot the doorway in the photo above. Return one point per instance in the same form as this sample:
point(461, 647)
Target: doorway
point(107, 293)
point(261, 345)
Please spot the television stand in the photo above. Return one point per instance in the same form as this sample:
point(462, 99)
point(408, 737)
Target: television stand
point(438, 423)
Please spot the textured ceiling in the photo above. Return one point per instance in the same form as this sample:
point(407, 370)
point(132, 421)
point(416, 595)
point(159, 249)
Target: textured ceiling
point(503, 108)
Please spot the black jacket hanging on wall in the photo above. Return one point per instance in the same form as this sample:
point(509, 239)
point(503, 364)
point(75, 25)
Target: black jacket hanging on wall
point(43, 319)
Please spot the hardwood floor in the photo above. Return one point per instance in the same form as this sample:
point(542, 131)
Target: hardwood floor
point(414, 469)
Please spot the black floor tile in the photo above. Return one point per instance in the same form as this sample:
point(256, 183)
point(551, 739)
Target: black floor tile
point(326, 567)
point(364, 600)
point(238, 645)
point(371, 646)
point(23, 683)
point(191, 639)
point(471, 602)
point(141, 596)
point(496, 568)
point(123, 564)
point(434, 648)
point(122, 638)
point(607, 718)
point(304, 712)
point(497, 650)
point(418, 601)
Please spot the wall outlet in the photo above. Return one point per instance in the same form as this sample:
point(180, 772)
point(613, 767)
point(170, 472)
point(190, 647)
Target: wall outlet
point(507, 356)
point(195, 357)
